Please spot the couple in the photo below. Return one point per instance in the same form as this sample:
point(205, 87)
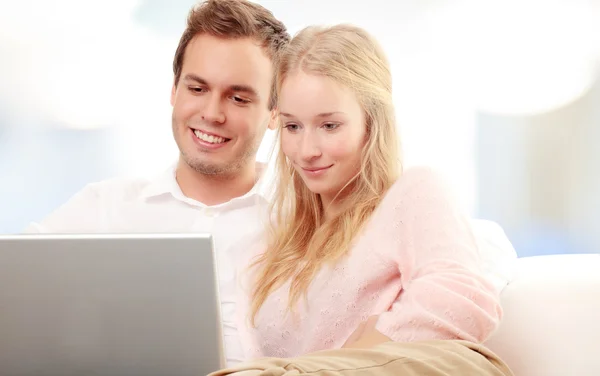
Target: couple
point(364, 268)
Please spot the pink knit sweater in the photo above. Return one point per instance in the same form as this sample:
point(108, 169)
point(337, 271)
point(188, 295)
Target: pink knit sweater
point(415, 264)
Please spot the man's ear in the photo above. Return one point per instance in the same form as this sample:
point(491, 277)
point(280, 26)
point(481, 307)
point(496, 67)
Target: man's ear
point(274, 118)
point(173, 92)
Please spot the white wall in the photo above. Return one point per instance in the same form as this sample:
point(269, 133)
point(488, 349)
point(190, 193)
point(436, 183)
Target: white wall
point(539, 176)
point(72, 66)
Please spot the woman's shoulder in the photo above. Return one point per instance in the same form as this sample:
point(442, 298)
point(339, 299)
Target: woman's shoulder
point(418, 193)
point(419, 182)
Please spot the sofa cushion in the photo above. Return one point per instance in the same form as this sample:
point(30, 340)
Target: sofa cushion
point(496, 251)
point(551, 323)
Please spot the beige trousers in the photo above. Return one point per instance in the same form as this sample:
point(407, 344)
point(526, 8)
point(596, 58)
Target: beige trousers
point(428, 358)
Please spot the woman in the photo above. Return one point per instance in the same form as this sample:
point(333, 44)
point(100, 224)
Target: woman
point(363, 260)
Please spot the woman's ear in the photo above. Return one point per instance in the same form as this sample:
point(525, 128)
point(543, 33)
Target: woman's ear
point(273, 120)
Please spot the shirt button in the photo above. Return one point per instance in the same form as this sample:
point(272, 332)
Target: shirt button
point(209, 212)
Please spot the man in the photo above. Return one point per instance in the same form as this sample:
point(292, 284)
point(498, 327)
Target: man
point(223, 100)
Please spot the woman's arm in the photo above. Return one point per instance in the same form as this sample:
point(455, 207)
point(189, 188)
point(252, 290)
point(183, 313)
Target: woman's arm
point(445, 295)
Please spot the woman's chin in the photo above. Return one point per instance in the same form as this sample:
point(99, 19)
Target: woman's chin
point(315, 188)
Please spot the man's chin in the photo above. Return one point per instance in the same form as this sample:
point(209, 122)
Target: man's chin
point(212, 169)
point(209, 168)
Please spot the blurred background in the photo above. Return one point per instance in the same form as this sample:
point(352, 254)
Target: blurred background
point(501, 96)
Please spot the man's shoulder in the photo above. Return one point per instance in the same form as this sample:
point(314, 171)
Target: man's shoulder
point(117, 188)
point(88, 209)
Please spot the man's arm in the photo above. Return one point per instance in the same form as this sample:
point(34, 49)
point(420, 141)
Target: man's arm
point(78, 215)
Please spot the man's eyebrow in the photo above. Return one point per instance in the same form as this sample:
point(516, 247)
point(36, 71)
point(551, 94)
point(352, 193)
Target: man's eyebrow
point(233, 88)
point(193, 77)
point(244, 89)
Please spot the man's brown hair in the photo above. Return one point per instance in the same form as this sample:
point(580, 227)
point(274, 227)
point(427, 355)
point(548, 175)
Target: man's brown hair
point(234, 19)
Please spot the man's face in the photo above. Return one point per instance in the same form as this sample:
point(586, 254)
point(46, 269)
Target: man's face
point(220, 104)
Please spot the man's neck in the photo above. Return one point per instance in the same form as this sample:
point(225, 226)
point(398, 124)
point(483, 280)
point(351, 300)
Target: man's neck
point(214, 190)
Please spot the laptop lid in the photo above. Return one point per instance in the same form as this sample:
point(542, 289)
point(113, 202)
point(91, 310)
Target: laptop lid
point(109, 305)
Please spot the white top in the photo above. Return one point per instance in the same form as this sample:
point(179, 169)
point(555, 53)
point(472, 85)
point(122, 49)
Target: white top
point(159, 206)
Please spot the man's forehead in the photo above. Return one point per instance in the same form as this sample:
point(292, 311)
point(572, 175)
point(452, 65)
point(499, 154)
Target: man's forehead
point(228, 62)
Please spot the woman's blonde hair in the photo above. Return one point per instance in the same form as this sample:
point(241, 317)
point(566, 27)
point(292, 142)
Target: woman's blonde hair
point(300, 240)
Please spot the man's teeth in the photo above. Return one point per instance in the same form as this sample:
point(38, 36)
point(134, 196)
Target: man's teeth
point(209, 138)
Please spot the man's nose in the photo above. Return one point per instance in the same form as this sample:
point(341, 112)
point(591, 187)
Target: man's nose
point(213, 110)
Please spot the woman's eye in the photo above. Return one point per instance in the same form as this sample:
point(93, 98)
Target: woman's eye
point(330, 126)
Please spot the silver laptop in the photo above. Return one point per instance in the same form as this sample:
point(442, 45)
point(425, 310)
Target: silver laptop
point(109, 305)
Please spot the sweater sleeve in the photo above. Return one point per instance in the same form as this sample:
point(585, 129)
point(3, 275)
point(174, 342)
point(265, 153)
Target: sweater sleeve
point(444, 293)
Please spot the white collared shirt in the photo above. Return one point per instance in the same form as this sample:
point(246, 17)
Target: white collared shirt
point(159, 206)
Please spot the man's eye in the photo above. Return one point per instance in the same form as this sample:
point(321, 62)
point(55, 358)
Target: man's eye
point(240, 100)
point(196, 89)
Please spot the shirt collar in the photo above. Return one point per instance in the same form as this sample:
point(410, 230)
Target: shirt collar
point(166, 183)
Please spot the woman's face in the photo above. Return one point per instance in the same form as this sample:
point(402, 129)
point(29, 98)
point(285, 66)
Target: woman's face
point(323, 133)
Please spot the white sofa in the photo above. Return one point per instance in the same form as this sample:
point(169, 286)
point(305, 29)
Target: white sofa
point(551, 324)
